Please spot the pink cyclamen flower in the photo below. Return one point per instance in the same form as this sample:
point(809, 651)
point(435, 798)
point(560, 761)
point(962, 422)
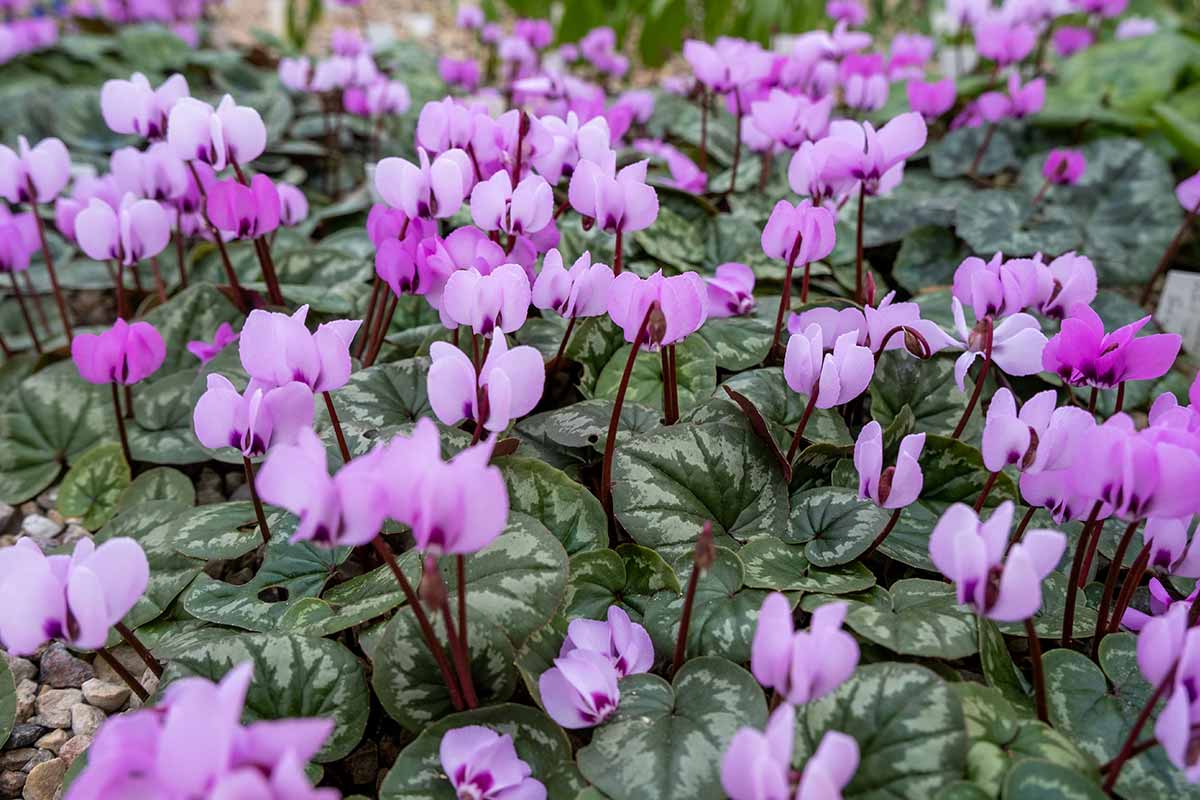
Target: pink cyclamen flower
point(135, 107)
point(837, 377)
point(247, 212)
point(1004, 42)
point(1168, 649)
point(1104, 8)
point(1082, 354)
point(625, 642)
point(191, 744)
point(804, 229)
point(875, 158)
point(1070, 39)
point(864, 81)
point(76, 598)
point(295, 73)
point(537, 32)
point(617, 201)
point(791, 119)
point(125, 353)
point(972, 554)
point(18, 240)
point(427, 189)
point(881, 322)
point(252, 421)
point(909, 54)
point(205, 351)
point(1064, 167)
point(580, 690)
point(894, 487)
point(1017, 344)
point(482, 764)
point(155, 174)
point(228, 134)
point(931, 99)
point(758, 766)
point(498, 300)
point(525, 210)
point(1072, 280)
point(1041, 437)
point(1161, 602)
point(802, 665)
point(293, 205)
point(685, 174)
point(507, 387)
point(469, 17)
point(276, 349)
point(682, 301)
point(1187, 193)
point(730, 291)
point(1135, 27)
point(1170, 549)
point(728, 63)
point(139, 229)
point(849, 11)
point(461, 72)
point(46, 166)
point(1026, 99)
point(581, 291)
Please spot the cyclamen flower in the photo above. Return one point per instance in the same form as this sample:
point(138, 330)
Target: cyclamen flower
point(46, 166)
point(728, 63)
point(75, 598)
point(1040, 438)
point(276, 349)
point(1104, 8)
point(1017, 344)
point(1072, 280)
point(125, 353)
point(133, 106)
point(580, 292)
point(1187, 193)
point(1071, 39)
point(731, 291)
point(229, 134)
point(805, 229)
point(849, 11)
point(293, 205)
point(294, 73)
point(758, 766)
point(1064, 167)
point(837, 377)
point(426, 189)
point(527, 209)
point(461, 72)
point(682, 301)
point(791, 119)
point(205, 351)
point(483, 765)
point(617, 201)
point(247, 212)
point(580, 690)
point(685, 174)
point(498, 300)
point(1170, 549)
point(192, 745)
point(894, 487)
point(507, 387)
point(1161, 602)
point(972, 554)
point(875, 158)
point(154, 174)
point(802, 665)
point(1168, 648)
point(1135, 27)
point(18, 240)
point(252, 421)
point(138, 229)
point(1020, 102)
point(864, 82)
point(1004, 42)
point(1082, 354)
point(931, 99)
point(625, 642)
point(469, 17)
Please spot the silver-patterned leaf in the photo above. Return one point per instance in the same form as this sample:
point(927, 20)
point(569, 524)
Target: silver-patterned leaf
point(771, 563)
point(160, 483)
point(565, 507)
point(93, 485)
point(695, 371)
point(780, 407)
point(833, 524)
point(194, 313)
point(219, 531)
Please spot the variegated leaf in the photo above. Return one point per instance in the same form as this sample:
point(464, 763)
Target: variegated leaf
point(772, 564)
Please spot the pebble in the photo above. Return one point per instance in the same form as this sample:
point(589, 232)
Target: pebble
point(85, 719)
point(149, 680)
point(24, 735)
point(128, 658)
point(41, 529)
point(75, 533)
point(106, 696)
point(74, 747)
point(241, 493)
point(208, 488)
point(26, 699)
point(233, 480)
point(11, 783)
point(54, 707)
point(61, 670)
point(49, 498)
point(7, 513)
point(28, 507)
point(17, 759)
point(45, 779)
point(21, 668)
point(53, 741)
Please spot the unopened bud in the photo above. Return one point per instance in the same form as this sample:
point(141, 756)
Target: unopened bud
point(656, 326)
point(432, 590)
point(587, 222)
point(706, 549)
point(523, 129)
point(914, 344)
point(1031, 453)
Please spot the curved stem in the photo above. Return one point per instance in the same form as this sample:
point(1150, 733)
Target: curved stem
point(785, 300)
point(1132, 581)
point(37, 345)
point(1021, 526)
point(230, 274)
point(703, 554)
point(116, 401)
point(58, 293)
point(808, 410)
point(1126, 752)
point(368, 323)
point(987, 489)
point(614, 421)
point(983, 146)
point(1039, 678)
point(1068, 626)
point(258, 509)
point(883, 534)
point(1040, 196)
point(1169, 254)
point(1110, 583)
point(180, 258)
point(337, 427)
point(989, 335)
point(556, 362)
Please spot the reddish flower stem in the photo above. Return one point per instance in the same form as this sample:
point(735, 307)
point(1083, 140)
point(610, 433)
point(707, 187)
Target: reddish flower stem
point(116, 401)
point(1132, 581)
point(385, 322)
point(858, 244)
point(337, 427)
point(556, 362)
point(987, 489)
point(1021, 526)
point(368, 318)
point(983, 146)
point(1110, 583)
point(36, 301)
point(808, 410)
point(989, 334)
point(458, 642)
point(615, 420)
point(235, 285)
point(143, 652)
point(618, 255)
point(37, 345)
point(133, 683)
point(1068, 626)
point(258, 509)
point(1040, 196)
point(179, 250)
point(58, 293)
point(703, 559)
point(1169, 254)
point(461, 569)
point(1039, 678)
point(785, 301)
point(1120, 404)
point(670, 391)
point(1113, 768)
point(883, 534)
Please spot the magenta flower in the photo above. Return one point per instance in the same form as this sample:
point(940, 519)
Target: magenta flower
point(791, 119)
point(18, 240)
point(205, 351)
point(537, 32)
point(1135, 27)
point(247, 212)
point(426, 189)
point(1017, 344)
point(1104, 8)
point(972, 554)
point(1002, 41)
point(229, 134)
point(685, 174)
point(485, 303)
point(580, 690)
point(399, 263)
point(572, 139)
point(507, 387)
point(138, 229)
point(730, 291)
point(1064, 167)
point(46, 165)
point(864, 81)
point(1187, 193)
point(1025, 100)
point(758, 765)
point(894, 487)
point(809, 172)
point(461, 72)
point(1072, 280)
point(293, 205)
point(580, 292)
point(623, 641)
point(125, 353)
point(469, 17)
point(1168, 648)
point(1040, 438)
point(1082, 354)
point(75, 598)
point(135, 107)
point(1070, 39)
point(276, 349)
point(617, 201)
point(483, 765)
point(931, 99)
point(802, 665)
point(155, 174)
point(295, 73)
point(909, 54)
point(837, 377)
point(1169, 546)
point(681, 299)
point(527, 209)
point(849, 11)
point(252, 421)
point(728, 63)
point(880, 322)
point(874, 158)
point(806, 229)
point(1160, 603)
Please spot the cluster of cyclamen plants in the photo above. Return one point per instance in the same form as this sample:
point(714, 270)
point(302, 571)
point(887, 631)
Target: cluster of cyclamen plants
point(520, 175)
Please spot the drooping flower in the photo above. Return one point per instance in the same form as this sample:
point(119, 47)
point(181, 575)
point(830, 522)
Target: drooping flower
point(931, 99)
point(125, 353)
point(276, 348)
point(293, 205)
point(483, 765)
point(135, 107)
point(1187, 193)
point(228, 134)
point(1003, 41)
point(894, 487)
point(682, 301)
point(874, 158)
point(617, 201)
point(1168, 649)
point(498, 300)
point(138, 229)
point(789, 120)
point(581, 291)
point(1082, 354)
point(426, 189)
point(802, 665)
point(1017, 344)
point(1072, 280)
point(758, 765)
point(804, 229)
point(1040, 438)
point(525, 210)
point(247, 212)
point(1071, 39)
point(1064, 167)
point(76, 598)
point(837, 377)
point(252, 421)
point(1161, 602)
point(580, 690)
point(971, 553)
point(206, 351)
point(1135, 27)
point(730, 291)
point(625, 642)
point(46, 167)
point(507, 387)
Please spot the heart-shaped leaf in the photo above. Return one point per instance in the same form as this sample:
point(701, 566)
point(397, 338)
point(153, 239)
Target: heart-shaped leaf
point(834, 526)
point(162, 431)
point(219, 531)
point(772, 564)
point(385, 395)
point(94, 484)
point(568, 511)
point(926, 387)
point(160, 483)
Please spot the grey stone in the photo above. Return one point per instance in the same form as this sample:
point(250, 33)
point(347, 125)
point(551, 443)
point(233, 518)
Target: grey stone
point(17, 759)
point(106, 696)
point(53, 741)
point(73, 534)
point(45, 780)
point(26, 699)
point(85, 719)
point(74, 747)
point(54, 707)
point(11, 783)
point(61, 670)
point(39, 528)
point(7, 513)
point(149, 680)
point(22, 669)
point(233, 480)
point(39, 757)
point(24, 735)
point(208, 488)
point(49, 498)
point(241, 493)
